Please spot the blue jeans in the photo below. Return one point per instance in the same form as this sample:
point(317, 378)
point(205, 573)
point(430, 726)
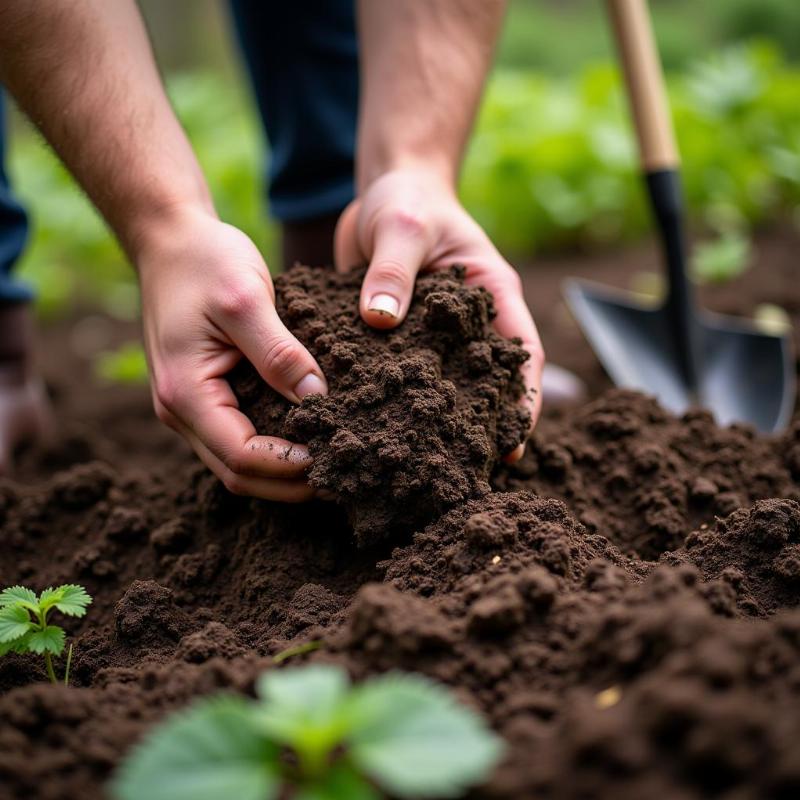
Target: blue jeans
point(13, 230)
point(302, 58)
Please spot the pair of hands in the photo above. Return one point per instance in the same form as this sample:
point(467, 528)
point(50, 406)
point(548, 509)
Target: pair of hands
point(208, 301)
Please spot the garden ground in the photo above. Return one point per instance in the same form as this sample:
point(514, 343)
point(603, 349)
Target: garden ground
point(623, 610)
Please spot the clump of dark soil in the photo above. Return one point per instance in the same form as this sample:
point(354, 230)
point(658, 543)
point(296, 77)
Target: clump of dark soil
point(624, 608)
point(416, 417)
point(643, 477)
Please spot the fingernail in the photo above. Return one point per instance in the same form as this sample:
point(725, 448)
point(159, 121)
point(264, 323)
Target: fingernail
point(311, 384)
point(384, 304)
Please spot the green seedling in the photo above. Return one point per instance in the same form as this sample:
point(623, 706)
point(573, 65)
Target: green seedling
point(313, 736)
point(24, 625)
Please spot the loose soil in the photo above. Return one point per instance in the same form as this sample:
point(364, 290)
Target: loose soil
point(415, 418)
point(623, 607)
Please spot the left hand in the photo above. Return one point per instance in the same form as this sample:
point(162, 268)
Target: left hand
point(408, 219)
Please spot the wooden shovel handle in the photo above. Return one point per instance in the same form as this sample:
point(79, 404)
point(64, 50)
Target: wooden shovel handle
point(645, 83)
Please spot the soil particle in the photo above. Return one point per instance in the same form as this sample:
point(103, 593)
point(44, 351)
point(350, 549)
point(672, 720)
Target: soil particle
point(416, 416)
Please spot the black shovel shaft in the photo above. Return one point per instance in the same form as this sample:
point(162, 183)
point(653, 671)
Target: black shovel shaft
point(666, 199)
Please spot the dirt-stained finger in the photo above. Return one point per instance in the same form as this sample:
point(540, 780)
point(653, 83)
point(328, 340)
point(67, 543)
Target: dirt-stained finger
point(215, 420)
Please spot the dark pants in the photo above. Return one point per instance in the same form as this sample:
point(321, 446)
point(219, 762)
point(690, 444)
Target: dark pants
point(302, 57)
point(13, 229)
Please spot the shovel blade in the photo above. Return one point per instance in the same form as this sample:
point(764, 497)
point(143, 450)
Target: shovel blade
point(746, 375)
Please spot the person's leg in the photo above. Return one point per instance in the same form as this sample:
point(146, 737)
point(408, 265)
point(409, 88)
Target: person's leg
point(13, 229)
point(303, 64)
point(23, 409)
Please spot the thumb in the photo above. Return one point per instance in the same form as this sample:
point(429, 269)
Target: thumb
point(254, 327)
point(399, 247)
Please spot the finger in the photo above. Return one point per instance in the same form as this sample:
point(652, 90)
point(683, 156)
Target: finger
point(400, 245)
point(249, 318)
point(284, 490)
point(346, 250)
point(209, 413)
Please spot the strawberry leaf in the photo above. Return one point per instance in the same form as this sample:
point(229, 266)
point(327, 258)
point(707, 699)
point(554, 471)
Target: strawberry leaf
point(17, 594)
point(210, 751)
point(16, 646)
point(73, 600)
point(49, 597)
point(49, 640)
point(341, 782)
point(14, 623)
point(414, 740)
point(304, 705)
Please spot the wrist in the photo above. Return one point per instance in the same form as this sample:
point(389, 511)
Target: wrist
point(431, 166)
point(162, 224)
point(421, 179)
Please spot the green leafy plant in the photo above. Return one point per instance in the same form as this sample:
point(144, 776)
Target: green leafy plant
point(313, 733)
point(24, 625)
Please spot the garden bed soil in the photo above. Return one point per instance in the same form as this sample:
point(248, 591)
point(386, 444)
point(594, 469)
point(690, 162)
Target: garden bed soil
point(623, 607)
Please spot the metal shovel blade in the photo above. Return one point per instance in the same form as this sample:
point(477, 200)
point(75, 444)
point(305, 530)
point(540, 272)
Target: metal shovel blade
point(746, 375)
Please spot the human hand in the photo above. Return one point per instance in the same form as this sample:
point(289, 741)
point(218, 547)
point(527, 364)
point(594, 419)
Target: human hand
point(407, 220)
point(207, 302)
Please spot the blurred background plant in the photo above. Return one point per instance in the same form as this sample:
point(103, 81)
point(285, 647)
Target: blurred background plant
point(552, 164)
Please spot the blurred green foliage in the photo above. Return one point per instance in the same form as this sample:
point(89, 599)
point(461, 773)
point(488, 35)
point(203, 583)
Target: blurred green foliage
point(552, 164)
point(562, 36)
point(722, 259)
point(127, 364)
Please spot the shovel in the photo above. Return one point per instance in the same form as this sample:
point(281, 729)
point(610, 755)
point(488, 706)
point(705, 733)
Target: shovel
point(682, 354)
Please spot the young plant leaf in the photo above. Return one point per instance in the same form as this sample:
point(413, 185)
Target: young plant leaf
point(16, 646)
point(342, 783)
point(303, 704)
point(400, 733)
point(24, 622)
point(413, 739)
point(14, 623)
point(208, 752)
point(49, 597)
point(17, 594)
point(73, 600)
point(49, 640)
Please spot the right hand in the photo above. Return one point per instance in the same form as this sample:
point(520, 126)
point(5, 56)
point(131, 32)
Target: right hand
point(207, 302)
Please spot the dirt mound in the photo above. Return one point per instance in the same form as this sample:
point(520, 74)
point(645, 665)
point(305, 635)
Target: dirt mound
point(644, 478)
point(416, 417)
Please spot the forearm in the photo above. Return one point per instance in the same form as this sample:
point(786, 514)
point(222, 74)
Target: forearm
point(84, 72)
point(424, 63)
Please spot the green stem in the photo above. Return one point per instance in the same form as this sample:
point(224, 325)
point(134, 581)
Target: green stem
point(297, 650)
point(48, 661)
point(69, 664)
